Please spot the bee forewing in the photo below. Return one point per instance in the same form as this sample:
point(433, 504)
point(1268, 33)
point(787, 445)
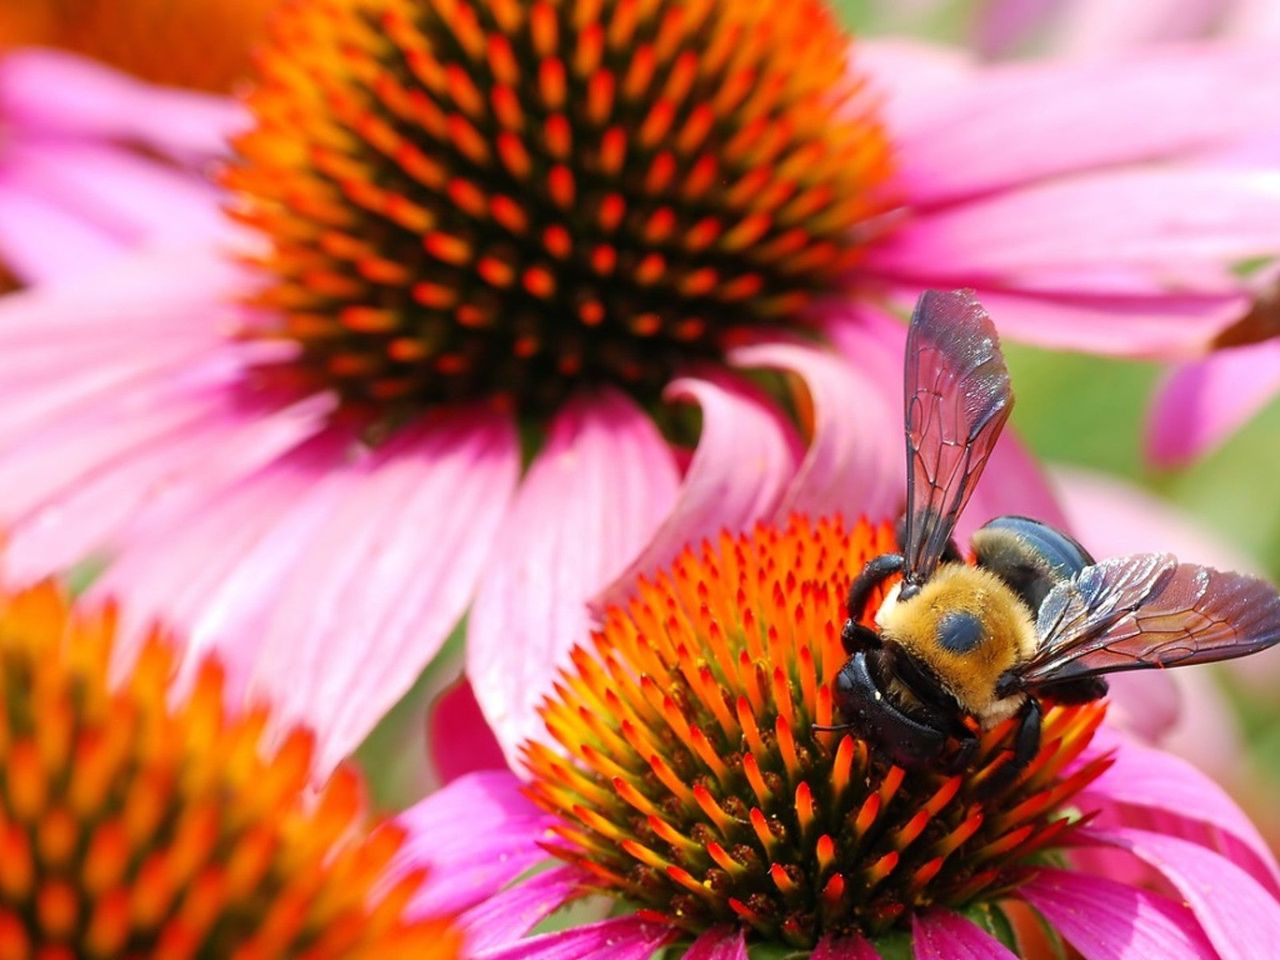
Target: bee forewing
point(1148, 610)
point(957, 400)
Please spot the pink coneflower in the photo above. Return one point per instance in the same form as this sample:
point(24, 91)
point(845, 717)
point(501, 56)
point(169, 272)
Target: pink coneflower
point(689, 786)
point(139, 820)
point(94, 163)
point(502, 249)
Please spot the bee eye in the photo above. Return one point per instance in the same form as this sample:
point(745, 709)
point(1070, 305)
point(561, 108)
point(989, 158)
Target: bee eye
point(960, 632)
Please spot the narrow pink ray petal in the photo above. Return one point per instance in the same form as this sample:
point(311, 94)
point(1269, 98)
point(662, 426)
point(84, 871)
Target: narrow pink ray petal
point(1013, 483)
point(844, 948)
point(41, 240)
point(60, 93)
point(1141, 776)
point(718, 943)
point(909, 75)
point(458, 736)
point(128, 199)
point(852, 465)
point(1106, 920)
point(1003, 25)
point(979, 136)
point(498, 840)
point(745, 458)
point(622, 938)
point(1239, 916)
point(511, 913)
point(943, 935)
point(367, 607)
point(1104, 223)
point(592, 498)
point(1199, 405)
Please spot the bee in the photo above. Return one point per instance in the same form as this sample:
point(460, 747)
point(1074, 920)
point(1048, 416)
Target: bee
point(1035, 616)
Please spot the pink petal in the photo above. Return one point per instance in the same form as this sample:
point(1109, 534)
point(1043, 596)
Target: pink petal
point(744, 460)
point(1005, 25)
point(41, 240)
point(844, 948)
point(1013, 483)
point(909, 76)
point(1240, 917)
point(718, 944)
point(1115, 231)
point(511, 913)
point(943, 935)
point(1141, 776)
point(980, 136)
point(1163, 325)
point(593, 496)
point(1106, 920)
point(387, 575)
point(1200, 404)
point(622, 938)
point(478, 834)
point(56, 92)
point(853, 465)
point(1098, 28)
point(458, 736)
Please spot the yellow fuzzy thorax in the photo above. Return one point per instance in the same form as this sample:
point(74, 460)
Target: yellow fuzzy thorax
point(1009, 635)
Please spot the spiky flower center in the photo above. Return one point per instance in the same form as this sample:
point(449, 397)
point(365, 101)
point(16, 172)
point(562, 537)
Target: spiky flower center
point(131, 825)
point(693, 783)
point(495, 198)
point(200, 44)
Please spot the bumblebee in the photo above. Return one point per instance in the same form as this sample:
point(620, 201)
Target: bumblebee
point(1034, 616)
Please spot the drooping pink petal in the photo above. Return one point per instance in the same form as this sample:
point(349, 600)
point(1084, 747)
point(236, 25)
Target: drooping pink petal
point(1013, 483)
point(1239, 916)
point(719, 943)
point(1004, 25)
point(745, 458)
point(943, 935)
point(852, 465)
point(1200, 404)
point(592, 498)
point(1110, 232)
point(458, 736)
point(909, 74)
point(511, 913)
point(41, 240)
point(1141, 776)
point(844, 948)
point(499, 842)
point(366, 606)
point(58, 93)
point(1106, 920)
point(622, 938)
point(980, 136)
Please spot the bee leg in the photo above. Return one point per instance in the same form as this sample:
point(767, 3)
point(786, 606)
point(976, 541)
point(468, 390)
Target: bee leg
point(966, 747)
point(1026, 745)
point(855, 636)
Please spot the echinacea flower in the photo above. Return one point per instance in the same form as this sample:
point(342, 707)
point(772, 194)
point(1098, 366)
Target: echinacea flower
point(195, 44)
point(694, 781)
point(138, 818)
point(94, 163)
point(498, 249)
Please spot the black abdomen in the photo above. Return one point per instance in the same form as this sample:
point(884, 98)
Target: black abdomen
point(1032, 557)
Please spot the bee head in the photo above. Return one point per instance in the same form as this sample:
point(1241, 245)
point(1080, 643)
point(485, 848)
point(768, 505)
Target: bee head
point(966, 627)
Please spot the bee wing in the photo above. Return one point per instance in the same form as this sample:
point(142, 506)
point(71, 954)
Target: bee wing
point(1148, 610)
point(957, 400)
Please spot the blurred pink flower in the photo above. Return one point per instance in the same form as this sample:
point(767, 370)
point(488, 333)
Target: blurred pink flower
point(1152, 813)
point(93, 163)
point(136, 424)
